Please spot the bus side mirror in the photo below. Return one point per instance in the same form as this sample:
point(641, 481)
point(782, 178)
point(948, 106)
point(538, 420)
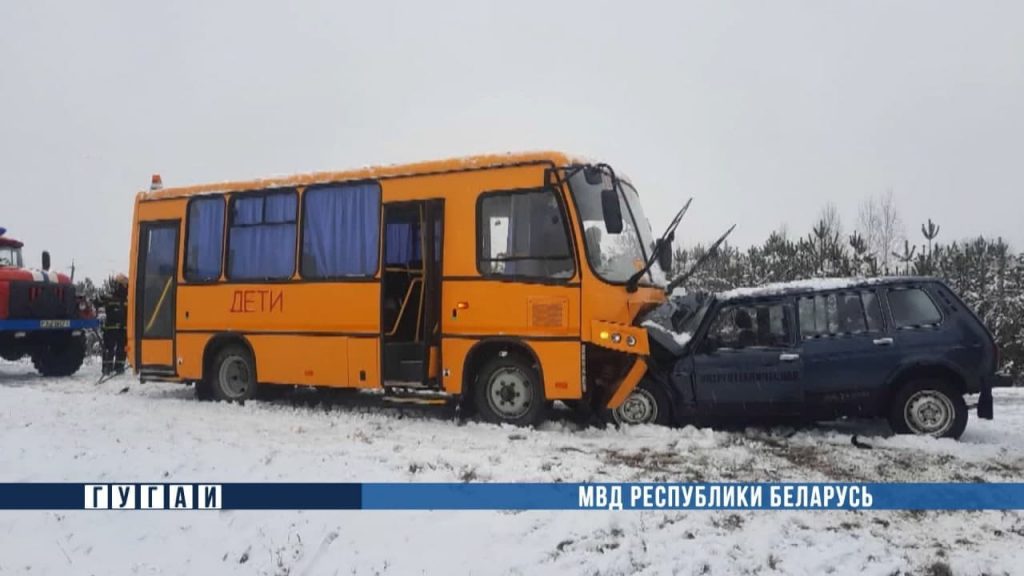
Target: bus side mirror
point(664, 249)
point(46, 261)
point(593, 175)
point(612, 211)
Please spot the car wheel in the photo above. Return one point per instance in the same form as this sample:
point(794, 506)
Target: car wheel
point(233, 378)
point(647, 404)
point(509, 391)
point(928, 408)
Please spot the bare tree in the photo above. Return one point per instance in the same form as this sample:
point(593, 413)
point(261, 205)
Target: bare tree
point(829, 218)
point(880, 225)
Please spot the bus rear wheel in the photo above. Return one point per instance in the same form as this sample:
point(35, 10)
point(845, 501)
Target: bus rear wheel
point(233, 375)
point(508, 391)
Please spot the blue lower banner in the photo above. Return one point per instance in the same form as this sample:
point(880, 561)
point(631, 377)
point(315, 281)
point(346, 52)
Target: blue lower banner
point(508, 496)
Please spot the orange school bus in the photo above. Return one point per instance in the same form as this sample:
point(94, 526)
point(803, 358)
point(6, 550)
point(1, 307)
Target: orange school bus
point(506, 282)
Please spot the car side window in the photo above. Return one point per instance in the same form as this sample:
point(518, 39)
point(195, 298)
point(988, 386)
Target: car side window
point(912, 307)
point(750, 326)
point(837, 314)
point(872, 310)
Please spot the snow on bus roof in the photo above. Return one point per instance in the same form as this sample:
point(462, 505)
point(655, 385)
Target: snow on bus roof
point(807, 285)
point(388, 170)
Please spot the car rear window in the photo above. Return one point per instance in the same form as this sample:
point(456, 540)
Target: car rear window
point(913, 307)
point(833, 314)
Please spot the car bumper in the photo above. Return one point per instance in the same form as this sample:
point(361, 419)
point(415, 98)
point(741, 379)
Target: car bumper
point(985, 408)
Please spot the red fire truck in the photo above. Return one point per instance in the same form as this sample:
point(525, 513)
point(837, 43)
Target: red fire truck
point(40, 314)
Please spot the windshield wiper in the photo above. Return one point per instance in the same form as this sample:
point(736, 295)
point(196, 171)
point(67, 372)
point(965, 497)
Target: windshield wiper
point(668, 236)
point(700, 262)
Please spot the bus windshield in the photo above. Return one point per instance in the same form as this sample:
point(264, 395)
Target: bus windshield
point(615, 257)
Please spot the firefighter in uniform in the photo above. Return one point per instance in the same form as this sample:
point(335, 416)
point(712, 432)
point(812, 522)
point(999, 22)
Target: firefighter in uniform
point(114, 334)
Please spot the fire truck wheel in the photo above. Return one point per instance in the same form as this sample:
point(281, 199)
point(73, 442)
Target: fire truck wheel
point(508, 391)
point(233, 378)
point(61, 357)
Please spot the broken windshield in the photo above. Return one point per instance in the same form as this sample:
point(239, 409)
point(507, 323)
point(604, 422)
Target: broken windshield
point(614, 257)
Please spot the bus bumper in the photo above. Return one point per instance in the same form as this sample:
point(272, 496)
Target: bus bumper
point(628, 384)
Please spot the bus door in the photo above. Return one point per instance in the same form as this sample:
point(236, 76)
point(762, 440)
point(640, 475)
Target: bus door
point(155, 296)
point(411, 293)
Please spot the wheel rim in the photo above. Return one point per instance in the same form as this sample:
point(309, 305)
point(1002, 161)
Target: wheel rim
point(509, 393)
point(929, 412)
point(234, 376)
point(639, 408)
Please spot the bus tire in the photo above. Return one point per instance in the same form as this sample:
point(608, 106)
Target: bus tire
point(928, 407)
point(204, 390)
point(62, 357)
point(233, 375)
point(647, 404)
point(509, 391)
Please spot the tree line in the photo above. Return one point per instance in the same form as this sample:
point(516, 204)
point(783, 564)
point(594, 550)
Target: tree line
point(984, 271)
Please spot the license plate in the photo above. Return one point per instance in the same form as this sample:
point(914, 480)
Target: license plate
point(55, 323)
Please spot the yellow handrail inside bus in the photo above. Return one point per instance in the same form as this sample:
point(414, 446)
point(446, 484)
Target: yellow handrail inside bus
point(405, 302)
point(159, 303)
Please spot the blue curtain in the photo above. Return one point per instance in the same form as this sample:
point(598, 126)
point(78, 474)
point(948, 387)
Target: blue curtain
point(341, 231)
point(279, 208)
point(262, 237)
point(205, 236)
point(247, 211)
point(403, 243)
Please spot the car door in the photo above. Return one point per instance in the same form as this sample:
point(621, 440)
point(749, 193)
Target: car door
point(917, 324)
point(747, 362)
point(848, 354)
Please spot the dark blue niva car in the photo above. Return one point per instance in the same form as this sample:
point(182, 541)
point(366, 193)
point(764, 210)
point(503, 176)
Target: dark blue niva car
point(904, 349)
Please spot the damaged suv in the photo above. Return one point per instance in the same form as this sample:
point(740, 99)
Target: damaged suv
point(904, 349)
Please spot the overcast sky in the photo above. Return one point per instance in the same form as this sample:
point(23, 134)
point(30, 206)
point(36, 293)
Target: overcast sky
point(763, 111)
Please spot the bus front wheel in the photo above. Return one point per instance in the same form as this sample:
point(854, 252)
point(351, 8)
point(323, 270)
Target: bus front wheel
point(233, 377)
point(508, 391)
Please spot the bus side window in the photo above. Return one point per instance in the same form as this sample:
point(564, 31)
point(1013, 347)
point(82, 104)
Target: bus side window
point(340, 230)
point(261, 236)
point(205, 239)
point(523, 234)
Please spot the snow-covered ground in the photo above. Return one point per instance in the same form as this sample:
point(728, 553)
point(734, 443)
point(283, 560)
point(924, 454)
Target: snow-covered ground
point(73, 430)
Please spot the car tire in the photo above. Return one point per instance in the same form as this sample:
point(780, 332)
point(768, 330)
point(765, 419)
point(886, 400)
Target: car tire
point(508, 390)
point(649, 403)
point(60, 358)
point(232, 377)
point(928, 407)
